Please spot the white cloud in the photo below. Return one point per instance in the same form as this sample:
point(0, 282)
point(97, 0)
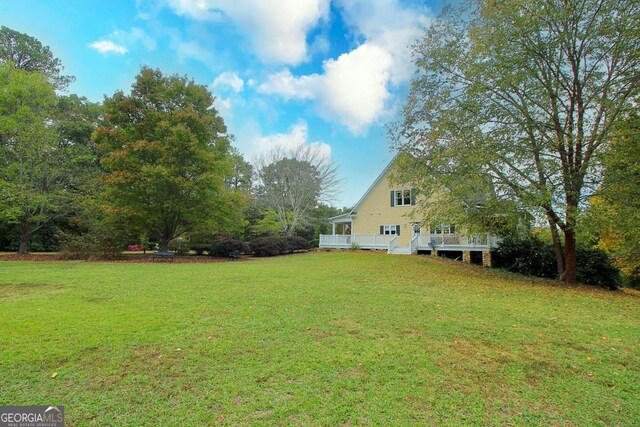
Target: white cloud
point(288, 86)
point(352, 89)
point(277, 28)
point(229, 79)
point(224, 108)
point(389, 25)
point(136, 35)
point(119, 42)
point(107, 47)
point(189, 49)
point(297, 137)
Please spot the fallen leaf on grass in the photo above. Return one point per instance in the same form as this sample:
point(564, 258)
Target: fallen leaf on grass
point(55, 374)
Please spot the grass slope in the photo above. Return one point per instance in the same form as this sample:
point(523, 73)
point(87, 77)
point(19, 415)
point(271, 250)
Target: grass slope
point(319, 339)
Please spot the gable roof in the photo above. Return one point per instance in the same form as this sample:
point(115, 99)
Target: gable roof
point(354, 211)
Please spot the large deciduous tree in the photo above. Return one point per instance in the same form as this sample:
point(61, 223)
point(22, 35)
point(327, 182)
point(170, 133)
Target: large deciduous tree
point(524, 93)
point(37, 171)
point(291, 183)
point(28, 54)
point(165, 154)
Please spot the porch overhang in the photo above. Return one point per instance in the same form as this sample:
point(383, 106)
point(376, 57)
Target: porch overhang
point(344, 220)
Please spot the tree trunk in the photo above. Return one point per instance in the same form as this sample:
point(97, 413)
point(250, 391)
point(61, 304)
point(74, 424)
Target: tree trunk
point(25, 236)
point(557, 246)
point(163, 246)
point(570, 274)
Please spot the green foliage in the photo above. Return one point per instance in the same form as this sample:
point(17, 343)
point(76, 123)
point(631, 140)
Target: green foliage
point(165, 157)
point(266, 246)
point(278, 245)
point(200, 248)
point(241, 177)
point(527, 255)
point(531, 256)
point(178, 245)
point(227, 246)
point(96, 245)
point(34, 169)
point(269, 224)
point(596, 268)
point(28, 54)
point(613, 218)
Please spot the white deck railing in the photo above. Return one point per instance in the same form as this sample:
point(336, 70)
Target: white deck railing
point(448, 240)
point(414, 244)
point(365, 241)
point(420, 242)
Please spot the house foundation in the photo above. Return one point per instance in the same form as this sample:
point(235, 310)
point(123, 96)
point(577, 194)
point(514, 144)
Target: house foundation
point(487, 259)
point(466, 257)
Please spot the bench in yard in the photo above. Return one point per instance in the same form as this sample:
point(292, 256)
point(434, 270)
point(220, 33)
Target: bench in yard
point(160, 256)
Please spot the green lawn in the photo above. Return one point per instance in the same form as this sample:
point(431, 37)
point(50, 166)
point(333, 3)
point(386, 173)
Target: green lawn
point(320, 339)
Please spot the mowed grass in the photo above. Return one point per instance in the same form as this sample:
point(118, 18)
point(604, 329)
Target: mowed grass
point(320, 339)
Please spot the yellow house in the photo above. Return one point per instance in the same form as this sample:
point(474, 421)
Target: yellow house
point(382, 220)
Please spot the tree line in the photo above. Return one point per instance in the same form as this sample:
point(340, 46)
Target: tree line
point(151, 165)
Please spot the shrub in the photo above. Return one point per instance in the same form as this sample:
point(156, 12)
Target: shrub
point(90, 245)
point(225, 247)
point(278, 245)
point(150, 246)
point(296, 243)
point(531, 256)
point(527, 255)
point(596, 268)
point(179, 246)
point(201, 248)
point(266, 246)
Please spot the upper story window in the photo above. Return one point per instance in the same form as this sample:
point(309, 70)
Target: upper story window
point(403, 197)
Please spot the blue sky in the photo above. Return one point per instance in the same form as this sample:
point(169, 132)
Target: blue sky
point(326, 73)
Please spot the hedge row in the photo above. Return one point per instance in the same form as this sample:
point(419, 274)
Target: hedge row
point(533, 257)
point(261, 246)
point(278, 245)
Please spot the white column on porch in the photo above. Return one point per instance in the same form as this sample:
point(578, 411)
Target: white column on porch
point(333, 228)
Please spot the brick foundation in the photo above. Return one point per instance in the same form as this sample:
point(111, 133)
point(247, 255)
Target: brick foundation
point(487, 259)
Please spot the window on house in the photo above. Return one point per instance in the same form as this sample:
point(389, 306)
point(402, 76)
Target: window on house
point(389, 229)
point(403, 197)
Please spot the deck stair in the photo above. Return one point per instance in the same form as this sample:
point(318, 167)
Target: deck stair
point(401, 250)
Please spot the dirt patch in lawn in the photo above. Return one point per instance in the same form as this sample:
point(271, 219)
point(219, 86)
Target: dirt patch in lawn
point(8, 290)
